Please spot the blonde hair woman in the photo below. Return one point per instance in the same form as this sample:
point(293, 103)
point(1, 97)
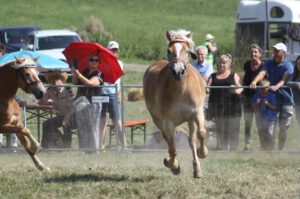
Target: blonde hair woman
point(224, 103)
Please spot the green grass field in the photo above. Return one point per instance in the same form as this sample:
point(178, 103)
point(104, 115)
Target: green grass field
point(139, 26)
point(142, 175)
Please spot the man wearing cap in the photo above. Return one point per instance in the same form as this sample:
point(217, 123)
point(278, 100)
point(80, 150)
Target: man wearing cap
point(279, 70)
point(62, 100)
point(111, 107)
point(211, 47)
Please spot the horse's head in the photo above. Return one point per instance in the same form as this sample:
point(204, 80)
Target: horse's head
point(27, 77)
point(180, 47)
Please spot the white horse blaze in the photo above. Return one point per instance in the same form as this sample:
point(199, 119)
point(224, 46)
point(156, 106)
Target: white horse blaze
point(179, 65)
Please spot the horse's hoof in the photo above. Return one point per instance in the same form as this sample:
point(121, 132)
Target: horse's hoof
point(47, 169)
point(176, 171)
point(198, 174)
point(202, 153)
point(166, 163)
point(44, 169)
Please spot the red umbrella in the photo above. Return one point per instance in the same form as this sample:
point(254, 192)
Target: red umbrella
point(78, 53)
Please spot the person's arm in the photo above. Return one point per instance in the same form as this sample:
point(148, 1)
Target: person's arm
point(74, 77)
point(293, 84)
point(258, 78)
point(70, 110)
point(237, 83)
point(270, 106)
point(70, 107)
point(209, 81)
point(20, 102)
point(93, 82)
point(211, 47)
point(282, 82)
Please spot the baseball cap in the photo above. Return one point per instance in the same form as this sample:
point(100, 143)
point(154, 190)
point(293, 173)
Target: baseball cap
point(112, 45)
point(209, 37)
point(280, 46)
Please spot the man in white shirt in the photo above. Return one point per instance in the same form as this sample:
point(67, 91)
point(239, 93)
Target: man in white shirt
point(202, 65)
point(113, 106)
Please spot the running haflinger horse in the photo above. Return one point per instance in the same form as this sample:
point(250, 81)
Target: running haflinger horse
point(174, 93)
point(20, 73)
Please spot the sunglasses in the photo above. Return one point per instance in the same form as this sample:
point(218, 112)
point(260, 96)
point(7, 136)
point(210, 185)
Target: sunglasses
point(94, 60)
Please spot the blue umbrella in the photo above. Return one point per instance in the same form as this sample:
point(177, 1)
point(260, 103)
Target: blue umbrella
point(45, 61)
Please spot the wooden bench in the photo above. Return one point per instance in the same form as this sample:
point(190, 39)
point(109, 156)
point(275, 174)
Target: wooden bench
point(134, 125)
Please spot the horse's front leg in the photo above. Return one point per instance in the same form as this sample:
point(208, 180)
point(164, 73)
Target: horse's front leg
point(201, 133)
point(28, 141)
point(172, 162)
point(193, 144)
point(32, 152)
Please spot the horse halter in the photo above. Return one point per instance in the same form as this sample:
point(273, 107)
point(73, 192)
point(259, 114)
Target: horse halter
point(178, 64)
point(27, 78)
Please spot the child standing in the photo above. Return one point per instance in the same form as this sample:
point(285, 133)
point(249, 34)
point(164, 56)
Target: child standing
point(265, 106)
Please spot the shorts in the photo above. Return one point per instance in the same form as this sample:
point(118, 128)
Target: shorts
point(267, 127)
point(111, 107)
point(285, 115)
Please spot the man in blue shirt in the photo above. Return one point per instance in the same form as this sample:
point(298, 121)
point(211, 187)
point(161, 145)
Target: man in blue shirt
point(279, 70)
point(202, 65)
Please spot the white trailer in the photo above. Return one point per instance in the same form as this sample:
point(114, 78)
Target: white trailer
point(267, 22)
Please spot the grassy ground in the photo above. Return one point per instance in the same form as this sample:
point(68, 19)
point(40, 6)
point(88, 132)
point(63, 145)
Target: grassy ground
point(142, 175)
point(139, 26)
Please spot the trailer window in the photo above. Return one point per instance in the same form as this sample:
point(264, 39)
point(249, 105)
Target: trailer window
point(277, 12)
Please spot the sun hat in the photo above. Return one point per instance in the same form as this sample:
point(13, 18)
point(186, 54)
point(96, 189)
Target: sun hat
point(209, 37)
point(113, 45)
point(52, 75)
point(280, 46)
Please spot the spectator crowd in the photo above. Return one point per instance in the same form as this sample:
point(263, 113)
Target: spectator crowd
point(267, 93)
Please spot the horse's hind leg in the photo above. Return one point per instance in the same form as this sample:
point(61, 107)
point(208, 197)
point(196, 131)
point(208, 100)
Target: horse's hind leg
point(193, 144)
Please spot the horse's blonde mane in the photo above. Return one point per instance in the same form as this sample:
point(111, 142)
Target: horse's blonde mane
point(182, 34)
point(23, 62)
